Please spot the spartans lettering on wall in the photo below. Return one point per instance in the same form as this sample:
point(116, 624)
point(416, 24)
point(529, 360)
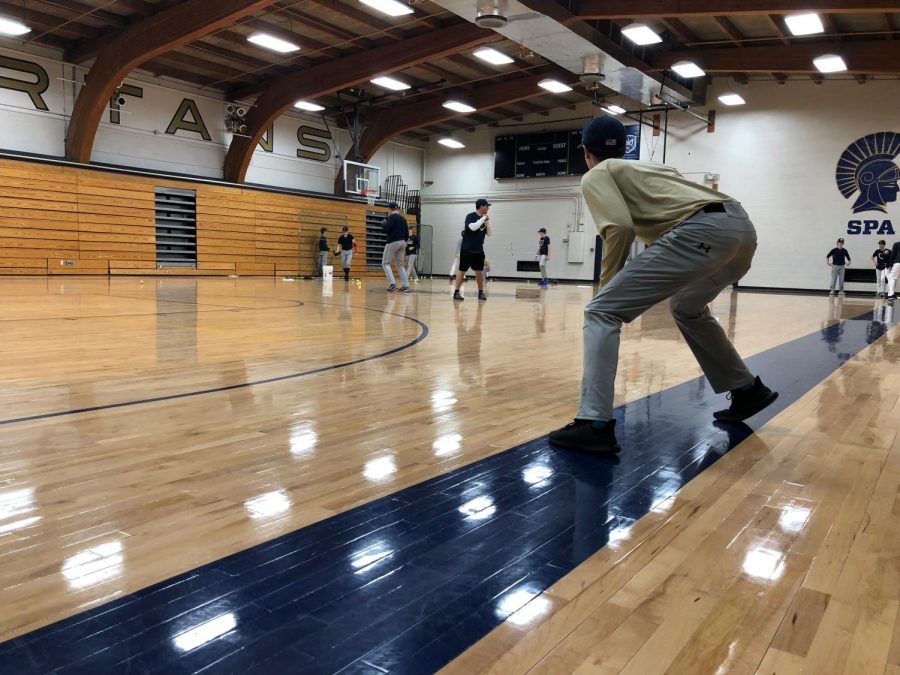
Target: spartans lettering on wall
point(314, 143)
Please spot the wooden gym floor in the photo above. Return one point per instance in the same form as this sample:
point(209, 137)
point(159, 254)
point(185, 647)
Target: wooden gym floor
point(242, 475)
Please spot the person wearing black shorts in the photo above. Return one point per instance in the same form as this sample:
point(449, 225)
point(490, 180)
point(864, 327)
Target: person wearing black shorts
point(347, 247)
point(471, 253)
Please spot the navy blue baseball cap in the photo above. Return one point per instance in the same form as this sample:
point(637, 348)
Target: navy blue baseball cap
point(393, 205)
point(603, 133)
point(482, 202)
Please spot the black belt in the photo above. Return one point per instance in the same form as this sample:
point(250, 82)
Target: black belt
point(715, 207)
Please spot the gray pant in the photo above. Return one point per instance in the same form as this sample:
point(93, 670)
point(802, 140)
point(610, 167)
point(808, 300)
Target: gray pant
point(346, 258)
point(542, 264)
point(321, 261)
point(411, 266)
point(394, 252)
point(690, 265)
point(837, 277)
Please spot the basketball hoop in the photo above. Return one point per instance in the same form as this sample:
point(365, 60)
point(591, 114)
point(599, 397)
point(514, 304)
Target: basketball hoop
point(369, 196)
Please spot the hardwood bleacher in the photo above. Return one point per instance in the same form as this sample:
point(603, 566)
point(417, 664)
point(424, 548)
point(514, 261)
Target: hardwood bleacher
point(69, 220)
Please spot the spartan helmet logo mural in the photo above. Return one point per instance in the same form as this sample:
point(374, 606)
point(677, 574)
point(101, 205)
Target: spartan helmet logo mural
point(867, 166)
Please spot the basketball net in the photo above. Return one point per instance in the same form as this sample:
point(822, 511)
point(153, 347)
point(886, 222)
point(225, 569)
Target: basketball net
point(369, 196)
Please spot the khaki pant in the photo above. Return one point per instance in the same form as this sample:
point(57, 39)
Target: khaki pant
point(689, 265)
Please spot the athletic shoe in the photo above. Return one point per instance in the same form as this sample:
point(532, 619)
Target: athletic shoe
point(404, 289)
point(481, 295)
point(746, 404)
point(842, 293)
point(391, 288)
point(831, 295)
point(583, 435)
point(457, 296)
point(890, 298)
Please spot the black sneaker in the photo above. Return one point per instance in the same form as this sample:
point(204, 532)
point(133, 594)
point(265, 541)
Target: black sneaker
point(404, 289)
point(457, 296)
point(746, 404)
point(481, 295)
point(391, 288)
point(583, 435)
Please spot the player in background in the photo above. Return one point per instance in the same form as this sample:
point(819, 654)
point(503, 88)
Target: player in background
point(412, 252)
point(702, 242)
point(543, 256)
point(882, 260)
point(894, 273)
point(397, 231)
point(471, 254)
point(837, 259)
point(346, 249)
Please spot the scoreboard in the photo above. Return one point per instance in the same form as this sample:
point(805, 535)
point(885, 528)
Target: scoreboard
point(541, 155)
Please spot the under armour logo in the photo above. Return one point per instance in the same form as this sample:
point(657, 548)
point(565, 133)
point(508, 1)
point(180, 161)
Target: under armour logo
point(705, 248)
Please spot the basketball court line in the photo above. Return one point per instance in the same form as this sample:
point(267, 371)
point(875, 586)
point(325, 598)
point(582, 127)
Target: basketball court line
point(214, 390)
point(411, 580)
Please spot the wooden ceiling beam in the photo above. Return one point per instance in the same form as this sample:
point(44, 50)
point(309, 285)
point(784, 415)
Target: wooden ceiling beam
point(138, 7)
point(726, 26)
point(881, 56)
point(81, 9)
point(42, 22)
point(681, 32)
point(395, 121)
point(135, 46)
point(281, 93)
point(776, 26)
point(628, 9)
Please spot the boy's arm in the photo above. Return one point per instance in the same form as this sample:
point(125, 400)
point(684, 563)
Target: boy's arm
point(613, 221)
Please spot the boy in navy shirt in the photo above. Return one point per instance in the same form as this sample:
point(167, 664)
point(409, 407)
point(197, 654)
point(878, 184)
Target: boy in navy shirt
point(838, 258)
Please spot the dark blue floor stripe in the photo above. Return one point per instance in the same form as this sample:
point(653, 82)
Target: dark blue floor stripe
point(409, 581)
point(214, 390)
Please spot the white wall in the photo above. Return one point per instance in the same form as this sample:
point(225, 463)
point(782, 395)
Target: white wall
point(519, 208)
point(777, 155)
point(140, 140)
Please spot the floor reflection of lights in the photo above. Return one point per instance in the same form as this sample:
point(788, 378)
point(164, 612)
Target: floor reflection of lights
point(268, 504)
point(479, 508)
point(380, 468)
point(205, 632)
point(94, 565)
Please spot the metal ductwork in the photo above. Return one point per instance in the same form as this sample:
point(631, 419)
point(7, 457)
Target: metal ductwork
point(563, 46)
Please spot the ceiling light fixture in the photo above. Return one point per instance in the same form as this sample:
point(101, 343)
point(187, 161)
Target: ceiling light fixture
point(613, 109)
point(306, 105)
point(804, 24)
point(732, 99)
point(640, 34)
point(390, 83)
point(451, 143)
point(389, 7)
point(273, 43)
point(458, 107)
point(688, 69)
point(12, 27)
point(555, 86)
point(830, 63)
point(492, 56)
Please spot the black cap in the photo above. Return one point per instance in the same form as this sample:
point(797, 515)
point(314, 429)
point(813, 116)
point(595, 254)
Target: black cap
point(393, 205)
point(840, 241)
point(882, 242)
point(481, 202)
point(345, 229)
point(543, 229)
point(604, 133)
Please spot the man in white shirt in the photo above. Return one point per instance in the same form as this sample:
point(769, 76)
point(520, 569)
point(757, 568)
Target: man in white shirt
point(702, 241)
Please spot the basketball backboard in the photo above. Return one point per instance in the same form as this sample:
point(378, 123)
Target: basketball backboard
point(360, 177)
